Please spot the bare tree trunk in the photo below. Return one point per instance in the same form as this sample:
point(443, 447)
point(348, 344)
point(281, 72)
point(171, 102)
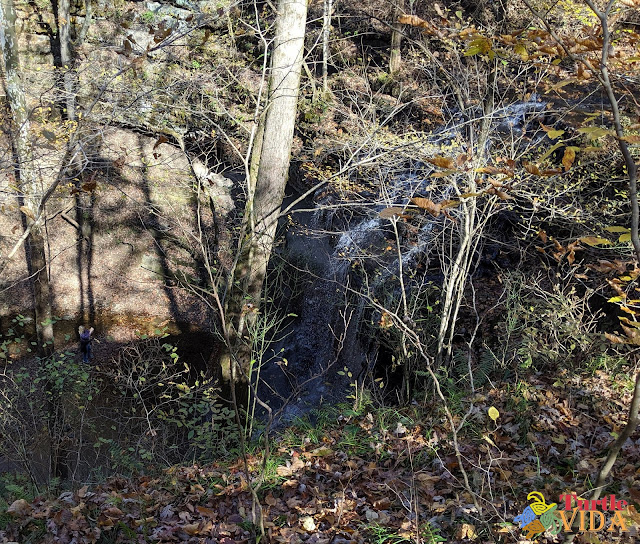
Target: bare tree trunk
point(27, 178)
point(395, 60)
point(84, 29)
point(64, 34)
point(263, 205)
point(326, 33)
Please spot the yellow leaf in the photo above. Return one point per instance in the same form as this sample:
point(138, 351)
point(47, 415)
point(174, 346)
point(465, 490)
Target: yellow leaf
point(472, 50)
point(628, 321)
point(596, 132)
point(413, 20)
point(626, 237)
point(617, 229)
point(595, 241)
point(493, 413)
point(522, 51)
point(553, 134)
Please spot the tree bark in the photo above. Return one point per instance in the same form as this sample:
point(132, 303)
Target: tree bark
point(395, 60)
point(64, 34)
point(263, 203)
point(326, 34)
point(26, 176)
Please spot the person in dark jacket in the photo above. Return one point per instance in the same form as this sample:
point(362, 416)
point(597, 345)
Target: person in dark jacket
point(85, 343)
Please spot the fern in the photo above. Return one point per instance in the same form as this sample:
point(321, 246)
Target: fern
point(430, 534)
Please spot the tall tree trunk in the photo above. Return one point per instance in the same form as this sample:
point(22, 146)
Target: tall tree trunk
point(395, 59)
point(64, 34)
point(263, 205)
point(26, 176)
point(326, 34)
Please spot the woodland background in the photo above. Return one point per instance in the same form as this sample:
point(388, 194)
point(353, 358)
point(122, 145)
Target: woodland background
point(359, 272)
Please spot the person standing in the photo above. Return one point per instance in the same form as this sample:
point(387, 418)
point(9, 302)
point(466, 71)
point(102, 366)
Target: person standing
point(85, 343)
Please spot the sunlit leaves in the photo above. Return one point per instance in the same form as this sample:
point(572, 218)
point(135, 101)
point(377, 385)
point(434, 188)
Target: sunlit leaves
point(594, 133)
point(552, 133)
point(479, 46)
point(625, 233)
point(521, 51)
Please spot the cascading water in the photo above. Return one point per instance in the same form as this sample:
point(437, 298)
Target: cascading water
point(349, 257)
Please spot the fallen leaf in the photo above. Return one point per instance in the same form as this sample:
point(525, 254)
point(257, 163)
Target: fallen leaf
point(466, 531)
point(191, 529)
point(19, 508)
point(308, 524)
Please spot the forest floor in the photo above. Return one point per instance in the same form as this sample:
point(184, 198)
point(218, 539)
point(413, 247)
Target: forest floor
point(373, 475)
